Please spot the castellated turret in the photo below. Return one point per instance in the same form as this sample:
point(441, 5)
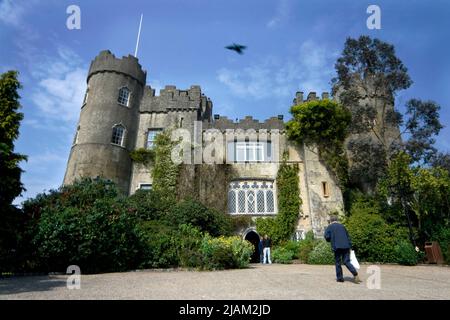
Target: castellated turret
point(120, 114)
point(107, 127)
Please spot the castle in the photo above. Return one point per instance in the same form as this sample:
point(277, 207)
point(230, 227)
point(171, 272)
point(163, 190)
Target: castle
point(120, 113)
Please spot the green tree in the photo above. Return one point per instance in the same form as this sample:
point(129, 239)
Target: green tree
point(10, 184)
point(422, 125)
point(430, 200)
point(323, 123)
point(422, 194)
point(369, 74)
point(396, 187)
point(441, 160)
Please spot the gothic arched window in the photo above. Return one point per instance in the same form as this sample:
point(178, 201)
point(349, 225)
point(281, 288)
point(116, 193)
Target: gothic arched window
point(124, 96)
point(118, 134)
point(251, 197)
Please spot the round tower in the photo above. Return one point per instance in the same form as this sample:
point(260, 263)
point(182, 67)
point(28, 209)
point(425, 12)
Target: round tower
point(109, 119)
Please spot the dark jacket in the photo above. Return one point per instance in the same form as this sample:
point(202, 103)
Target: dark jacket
point(267, 243)
point(261, 246)
point(338, 235)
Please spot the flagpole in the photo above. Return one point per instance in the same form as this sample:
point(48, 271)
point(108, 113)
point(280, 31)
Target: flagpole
point(139, 35)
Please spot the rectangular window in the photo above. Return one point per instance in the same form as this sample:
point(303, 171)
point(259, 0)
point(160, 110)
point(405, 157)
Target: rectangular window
point(117, 135)
point(325, 189)
point(151, 136)
point(145, 186)
point(124, 96)
point(250, 151)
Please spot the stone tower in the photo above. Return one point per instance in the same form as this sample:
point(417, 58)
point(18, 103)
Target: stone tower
point(109, 117)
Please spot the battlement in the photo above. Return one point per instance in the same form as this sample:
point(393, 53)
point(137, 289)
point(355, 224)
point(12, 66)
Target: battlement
point(171, 91)
point(311, 97)
point(170, 98)
point(223, 123)
point(128, 65)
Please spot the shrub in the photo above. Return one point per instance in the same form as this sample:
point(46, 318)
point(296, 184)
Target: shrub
point(406, 253)
point(98, 239)
point(372, 238)
point(149, 205)
point(189, 240)
point(216, 254)
point(286, 252)
point(442, 236)
point(225, 253)
point(242, 252)
point(321, 254)
point(294, 247)
point(306, 246)
point(195, 213)
point(282, 255)
point(160, 245)
point(83, 193)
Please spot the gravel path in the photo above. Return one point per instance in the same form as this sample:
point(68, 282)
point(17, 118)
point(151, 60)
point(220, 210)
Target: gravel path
point(272, 282)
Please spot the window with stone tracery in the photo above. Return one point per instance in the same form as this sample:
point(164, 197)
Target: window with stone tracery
point(251, 197)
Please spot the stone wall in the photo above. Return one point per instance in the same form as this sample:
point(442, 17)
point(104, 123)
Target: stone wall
point(206, 183)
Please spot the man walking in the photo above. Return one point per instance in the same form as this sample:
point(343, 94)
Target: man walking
point(341, 244)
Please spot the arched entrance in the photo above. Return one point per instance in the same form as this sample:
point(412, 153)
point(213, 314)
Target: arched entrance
point(253, 238)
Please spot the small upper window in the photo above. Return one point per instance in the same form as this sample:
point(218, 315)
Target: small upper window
point(118, 134)
point(124, 96)
point(151, 137)
point(145, 186)
point(325, 189)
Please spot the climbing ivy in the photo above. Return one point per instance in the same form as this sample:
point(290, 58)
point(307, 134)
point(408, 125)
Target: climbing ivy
point(164, 171)
point(323, 123)
point(142, 155)
point(282, 227)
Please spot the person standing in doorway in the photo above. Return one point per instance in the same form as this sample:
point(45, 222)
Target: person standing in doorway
point(267, 244)
point(261, 249)
point(341, 245)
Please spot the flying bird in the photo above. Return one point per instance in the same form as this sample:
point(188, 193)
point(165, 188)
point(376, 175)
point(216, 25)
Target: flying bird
point(236, 47)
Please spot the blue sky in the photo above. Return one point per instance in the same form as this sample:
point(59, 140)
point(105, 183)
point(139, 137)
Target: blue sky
point(292, 46)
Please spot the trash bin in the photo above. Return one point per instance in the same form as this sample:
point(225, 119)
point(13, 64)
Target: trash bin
point(433, 251)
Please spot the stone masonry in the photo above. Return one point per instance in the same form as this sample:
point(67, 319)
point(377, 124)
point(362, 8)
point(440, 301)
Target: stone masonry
point(95, 153)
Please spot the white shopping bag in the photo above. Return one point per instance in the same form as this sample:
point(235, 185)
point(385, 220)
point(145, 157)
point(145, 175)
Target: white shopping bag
point(353, 260)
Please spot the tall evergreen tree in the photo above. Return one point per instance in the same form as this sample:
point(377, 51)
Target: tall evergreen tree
point(10, 172)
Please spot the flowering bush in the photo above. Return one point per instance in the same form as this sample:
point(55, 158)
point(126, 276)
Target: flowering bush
point(225, 252)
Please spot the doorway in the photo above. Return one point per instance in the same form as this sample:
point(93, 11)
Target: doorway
point(253, 238)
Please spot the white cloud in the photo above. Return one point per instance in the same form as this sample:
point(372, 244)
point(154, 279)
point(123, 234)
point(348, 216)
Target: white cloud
point(310, 69)
point(61, 86)
point(281, 13)
point(11, 12)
